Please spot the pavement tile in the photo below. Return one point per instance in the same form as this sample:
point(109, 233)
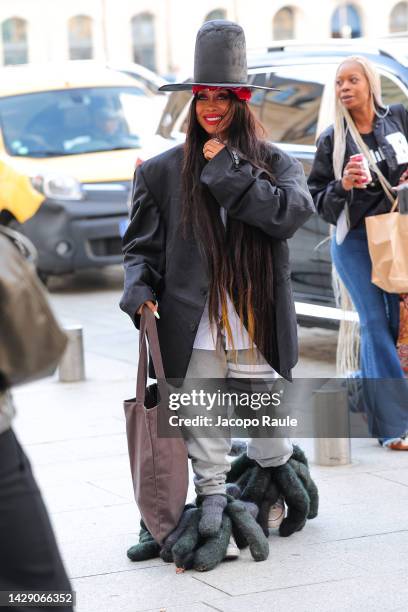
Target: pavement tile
point(81, 495)
point(84, 470)
point(68, 430)
point(77, 450)
point(199, 607)
point(119, 357)
point(112, 520)
point(353, 594)
point(354, 521)
point(279, 571)
point(102, 554)
point(359, 488)
point(138, 590)
point(120, 486)
point(395, 475)
point(382, 554)
point(367, 456)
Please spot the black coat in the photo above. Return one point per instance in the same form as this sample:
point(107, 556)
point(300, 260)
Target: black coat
point(160, 264)
point(328, 193)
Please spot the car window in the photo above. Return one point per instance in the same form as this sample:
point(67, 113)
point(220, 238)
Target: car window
point(392, 92)
point(74, 121)
point(291, 114)
point(176, 105)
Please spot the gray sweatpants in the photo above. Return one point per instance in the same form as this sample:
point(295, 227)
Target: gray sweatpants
point(209, 454)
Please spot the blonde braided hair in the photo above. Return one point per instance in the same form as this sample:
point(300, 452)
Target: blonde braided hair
point(348, 345)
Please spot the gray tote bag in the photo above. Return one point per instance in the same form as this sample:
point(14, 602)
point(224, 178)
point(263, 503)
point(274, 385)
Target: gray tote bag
point(159, 465)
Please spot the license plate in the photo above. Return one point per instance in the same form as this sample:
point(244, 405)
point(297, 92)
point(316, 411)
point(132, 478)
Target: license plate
point(123, 225)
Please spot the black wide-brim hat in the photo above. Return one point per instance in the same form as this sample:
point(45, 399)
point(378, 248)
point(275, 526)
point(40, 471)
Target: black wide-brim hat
point(219, 58)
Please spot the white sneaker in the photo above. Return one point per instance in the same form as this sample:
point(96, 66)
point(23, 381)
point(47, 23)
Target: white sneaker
point(233, 551)
point(276, 514)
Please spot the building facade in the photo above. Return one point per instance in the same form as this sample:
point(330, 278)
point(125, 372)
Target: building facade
point(160, 34)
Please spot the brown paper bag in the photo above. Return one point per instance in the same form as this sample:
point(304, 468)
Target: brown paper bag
point(387, 236)
point(159, 465)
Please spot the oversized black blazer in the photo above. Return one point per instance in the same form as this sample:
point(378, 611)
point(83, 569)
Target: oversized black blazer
point(160, 264)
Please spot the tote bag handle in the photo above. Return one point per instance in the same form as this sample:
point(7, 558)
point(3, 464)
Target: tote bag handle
point(148, 330)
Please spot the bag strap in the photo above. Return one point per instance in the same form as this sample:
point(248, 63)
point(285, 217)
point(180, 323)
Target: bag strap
point(21, 242)
point(385, 184)
point(148, 329)
point(395, 205)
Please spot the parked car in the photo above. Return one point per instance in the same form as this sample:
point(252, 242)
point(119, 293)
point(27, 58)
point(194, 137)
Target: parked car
point(150, 79)
point(293, 117)
point(75, 131)
point(18, 199)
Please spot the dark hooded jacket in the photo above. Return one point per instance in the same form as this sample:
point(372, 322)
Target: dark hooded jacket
point(160, 264)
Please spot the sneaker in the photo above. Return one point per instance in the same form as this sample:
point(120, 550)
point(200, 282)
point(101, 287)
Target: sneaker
point(400, 444)
point(233, 551)
point(276, 514)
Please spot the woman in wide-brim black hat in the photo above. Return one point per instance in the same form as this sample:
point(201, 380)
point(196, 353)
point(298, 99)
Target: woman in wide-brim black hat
point(206, 251)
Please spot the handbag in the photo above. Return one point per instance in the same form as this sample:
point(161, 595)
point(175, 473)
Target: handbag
point(158, 464)
point(387, 237)
point(31, 340)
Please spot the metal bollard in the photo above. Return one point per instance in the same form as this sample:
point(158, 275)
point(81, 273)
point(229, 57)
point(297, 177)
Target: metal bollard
point(331, 415)
point(72, 364)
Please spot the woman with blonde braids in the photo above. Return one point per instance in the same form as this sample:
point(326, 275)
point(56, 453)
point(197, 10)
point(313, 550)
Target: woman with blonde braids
point(346, 191)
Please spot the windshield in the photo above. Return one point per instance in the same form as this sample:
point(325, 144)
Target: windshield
point(75, 121)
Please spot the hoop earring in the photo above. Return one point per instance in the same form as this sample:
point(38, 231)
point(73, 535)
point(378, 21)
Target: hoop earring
point(387, 110)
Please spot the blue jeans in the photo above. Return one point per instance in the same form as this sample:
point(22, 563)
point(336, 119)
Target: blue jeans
point(385, 388)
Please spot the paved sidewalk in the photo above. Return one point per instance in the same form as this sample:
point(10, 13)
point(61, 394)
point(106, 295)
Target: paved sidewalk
point(353, 556)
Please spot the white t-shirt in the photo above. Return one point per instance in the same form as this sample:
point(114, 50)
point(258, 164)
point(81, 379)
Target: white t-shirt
point(207, 335)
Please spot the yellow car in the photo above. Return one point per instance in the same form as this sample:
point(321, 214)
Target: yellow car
point(71, 133)
point(18, 199)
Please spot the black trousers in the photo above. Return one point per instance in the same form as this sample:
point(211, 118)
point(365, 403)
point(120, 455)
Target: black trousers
point(29, 557)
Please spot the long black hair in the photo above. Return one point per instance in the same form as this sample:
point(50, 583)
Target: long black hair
point(240, 258)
